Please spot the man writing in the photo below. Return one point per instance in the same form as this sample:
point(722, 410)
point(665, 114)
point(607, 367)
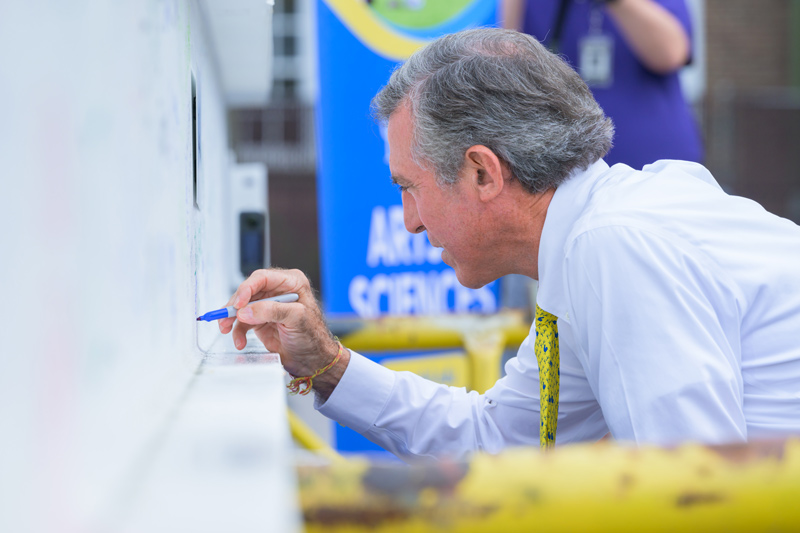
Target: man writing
point(667, 310)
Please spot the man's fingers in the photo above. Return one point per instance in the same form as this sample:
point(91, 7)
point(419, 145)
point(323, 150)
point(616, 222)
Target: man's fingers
point(249, 288)
point(243, 294)
point(266, 283)
point(226, 324)
point(240, 334)
point(263, 284)
point(268, 335)
point(271, 312)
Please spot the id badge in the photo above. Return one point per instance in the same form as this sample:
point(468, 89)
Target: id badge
point(596, 60)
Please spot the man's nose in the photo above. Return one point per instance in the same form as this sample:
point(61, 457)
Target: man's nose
point(411, 215)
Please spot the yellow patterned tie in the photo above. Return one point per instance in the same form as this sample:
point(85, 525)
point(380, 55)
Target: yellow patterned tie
point(546, 348)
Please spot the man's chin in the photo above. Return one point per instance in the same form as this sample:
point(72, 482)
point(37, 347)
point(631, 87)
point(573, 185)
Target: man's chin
point(463, 279)
point(470, 283)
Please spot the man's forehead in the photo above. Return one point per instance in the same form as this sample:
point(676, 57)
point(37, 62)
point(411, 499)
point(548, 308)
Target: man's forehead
point(399, 122)
point(399, 140)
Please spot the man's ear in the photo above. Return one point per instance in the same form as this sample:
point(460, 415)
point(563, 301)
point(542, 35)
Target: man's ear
point(484, 171)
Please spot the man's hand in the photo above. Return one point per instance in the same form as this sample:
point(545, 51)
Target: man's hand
point(297, 331)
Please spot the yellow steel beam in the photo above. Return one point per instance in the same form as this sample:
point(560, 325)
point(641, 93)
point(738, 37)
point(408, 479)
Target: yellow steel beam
point(424, 332)
point(599, 487)
point(483, 338)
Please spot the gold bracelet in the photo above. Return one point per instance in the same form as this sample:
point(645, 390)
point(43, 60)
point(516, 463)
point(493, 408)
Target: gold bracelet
point(296, 385)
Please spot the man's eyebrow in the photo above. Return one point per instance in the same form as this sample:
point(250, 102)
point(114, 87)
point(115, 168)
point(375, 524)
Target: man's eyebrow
point(399, 180)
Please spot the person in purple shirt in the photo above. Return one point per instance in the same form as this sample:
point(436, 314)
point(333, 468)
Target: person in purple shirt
point(629, 52)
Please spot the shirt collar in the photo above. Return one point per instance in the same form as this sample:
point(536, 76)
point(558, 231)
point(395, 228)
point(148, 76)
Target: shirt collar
point(564, 210)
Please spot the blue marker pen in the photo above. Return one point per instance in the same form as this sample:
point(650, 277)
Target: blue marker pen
point(230, 311)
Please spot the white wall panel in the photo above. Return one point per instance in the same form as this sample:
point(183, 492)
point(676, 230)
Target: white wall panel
point(105, 260)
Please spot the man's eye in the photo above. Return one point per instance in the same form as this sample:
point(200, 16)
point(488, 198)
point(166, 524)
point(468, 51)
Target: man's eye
point(401, 188)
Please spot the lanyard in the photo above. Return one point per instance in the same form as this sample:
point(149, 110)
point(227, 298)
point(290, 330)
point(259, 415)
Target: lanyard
point(558, 25)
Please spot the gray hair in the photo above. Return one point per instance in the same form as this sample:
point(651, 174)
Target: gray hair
point(504, 90)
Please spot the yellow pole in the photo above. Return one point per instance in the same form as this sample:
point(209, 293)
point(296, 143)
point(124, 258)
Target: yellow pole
point(309, 440)
point(484, 352)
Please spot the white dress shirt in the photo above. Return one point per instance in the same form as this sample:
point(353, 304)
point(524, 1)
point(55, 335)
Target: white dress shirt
point(678, 315)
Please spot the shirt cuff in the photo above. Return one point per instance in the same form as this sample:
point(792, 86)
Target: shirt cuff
point(360, 395)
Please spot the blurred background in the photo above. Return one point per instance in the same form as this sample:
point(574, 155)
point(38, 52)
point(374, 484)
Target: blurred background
point(744, 87)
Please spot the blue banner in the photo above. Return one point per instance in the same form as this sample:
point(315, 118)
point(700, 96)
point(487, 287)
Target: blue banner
point(370, 264)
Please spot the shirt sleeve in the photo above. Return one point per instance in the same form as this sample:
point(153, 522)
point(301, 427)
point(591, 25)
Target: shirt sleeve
point(656, 325)
point(414, 417)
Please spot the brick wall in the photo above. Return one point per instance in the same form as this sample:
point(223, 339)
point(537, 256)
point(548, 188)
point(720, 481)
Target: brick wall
point(748, 42)
point(751, 115)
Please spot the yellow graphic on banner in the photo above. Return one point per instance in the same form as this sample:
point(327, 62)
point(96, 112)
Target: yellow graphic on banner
point(381, 39)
